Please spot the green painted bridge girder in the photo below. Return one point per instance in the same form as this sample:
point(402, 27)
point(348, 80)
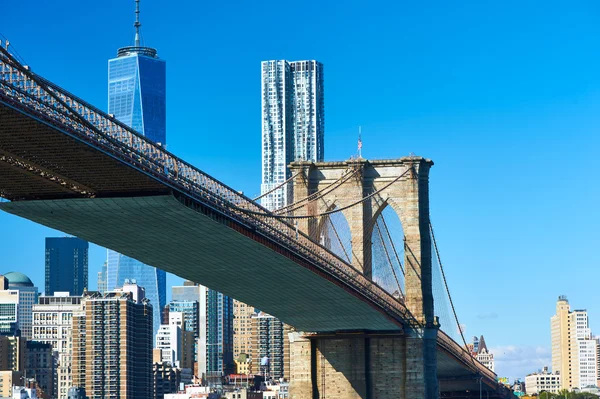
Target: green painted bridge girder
point(163, 232)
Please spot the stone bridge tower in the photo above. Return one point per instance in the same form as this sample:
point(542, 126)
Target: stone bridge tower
point(402, 184)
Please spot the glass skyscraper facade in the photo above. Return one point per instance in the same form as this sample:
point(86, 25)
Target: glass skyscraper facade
point(137, 97)
point(293, 123)
point(66, 265)
point(214, 347)
point(137, 91)
point(219, 336)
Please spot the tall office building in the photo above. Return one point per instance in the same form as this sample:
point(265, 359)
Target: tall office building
point(9, 309)
point(573, 348)
point(102, 279)
point(191, 292)
point(176, 343)
point(28, 294)
point(66, 265)
point(137, 97)
point(219, 336)
point(52, 317)
point(112, 345)
point(293, 123)
point(215, 330)
point(244, 337)
point(261, 343)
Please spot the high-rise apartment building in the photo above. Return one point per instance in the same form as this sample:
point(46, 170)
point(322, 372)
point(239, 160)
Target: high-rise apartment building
point(574, 355)
point(272, 347)
point(28, 294)
point(215, 329)
point(66, 265)
point(261, 343)
point(293, 123)
point(191, 292)
point(137, 97)
point(244, 337)
point(112, 345)
point(219, 336)
point(52, 317)
point(191, 314)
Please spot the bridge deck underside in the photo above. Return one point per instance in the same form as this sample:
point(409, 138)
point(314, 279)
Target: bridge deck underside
point(162, 232)
point(459, 380)
point(39, 162)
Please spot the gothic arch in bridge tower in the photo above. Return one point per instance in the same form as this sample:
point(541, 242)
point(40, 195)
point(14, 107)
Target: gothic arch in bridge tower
point(333, 232)
point(387, 238)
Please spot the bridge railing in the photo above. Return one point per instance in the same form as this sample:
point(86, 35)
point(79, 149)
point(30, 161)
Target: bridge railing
point(26, 90)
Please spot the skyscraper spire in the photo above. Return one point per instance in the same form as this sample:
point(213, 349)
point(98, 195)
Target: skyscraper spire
point(137, 23)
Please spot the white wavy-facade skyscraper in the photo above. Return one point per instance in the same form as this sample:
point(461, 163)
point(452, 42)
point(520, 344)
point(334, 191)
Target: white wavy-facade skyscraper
point(293, 123)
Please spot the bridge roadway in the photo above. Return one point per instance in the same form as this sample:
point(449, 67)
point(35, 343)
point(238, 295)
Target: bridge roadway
point(63, 175)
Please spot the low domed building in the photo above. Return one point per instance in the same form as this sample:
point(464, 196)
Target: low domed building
point(28, 294)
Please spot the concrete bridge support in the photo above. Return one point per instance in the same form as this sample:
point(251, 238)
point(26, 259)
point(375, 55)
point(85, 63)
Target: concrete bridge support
point(369, 364)
point(363, 366)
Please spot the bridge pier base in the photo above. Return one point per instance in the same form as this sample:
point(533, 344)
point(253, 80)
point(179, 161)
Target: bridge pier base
point(364, 365)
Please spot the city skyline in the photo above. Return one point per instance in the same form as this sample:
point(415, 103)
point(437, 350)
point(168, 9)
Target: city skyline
point(549, 119)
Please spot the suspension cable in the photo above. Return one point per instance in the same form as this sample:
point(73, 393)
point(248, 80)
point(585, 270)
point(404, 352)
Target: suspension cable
point(339, 239)
point(277, 188)
point(437, 253)
point(317, 194)
point(332, 211)
point(388, 258)
point(393, 246)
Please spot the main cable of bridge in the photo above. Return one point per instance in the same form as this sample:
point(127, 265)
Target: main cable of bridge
point(437, 253)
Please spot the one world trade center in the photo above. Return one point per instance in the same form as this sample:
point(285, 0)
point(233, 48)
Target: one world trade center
point(137, 97)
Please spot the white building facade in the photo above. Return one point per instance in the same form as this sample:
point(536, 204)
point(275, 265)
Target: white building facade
point(52, 324)
point(537, 382)
point(293, 123)
point(574, 351)
point(486, 358)
point(28, 294)
point(585, 357)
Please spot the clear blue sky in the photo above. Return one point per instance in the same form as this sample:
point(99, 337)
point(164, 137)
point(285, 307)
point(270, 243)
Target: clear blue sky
point(503, 96)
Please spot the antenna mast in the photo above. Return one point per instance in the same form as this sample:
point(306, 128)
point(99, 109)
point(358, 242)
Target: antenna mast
point(360, 142)
point(137, 23)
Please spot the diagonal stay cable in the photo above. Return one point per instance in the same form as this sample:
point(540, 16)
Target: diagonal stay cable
point(392, 242)
point(328, 212)
point(388, 258)
point(276, 188)
point(437, 253)
point(339, 239)
point(317, 194)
